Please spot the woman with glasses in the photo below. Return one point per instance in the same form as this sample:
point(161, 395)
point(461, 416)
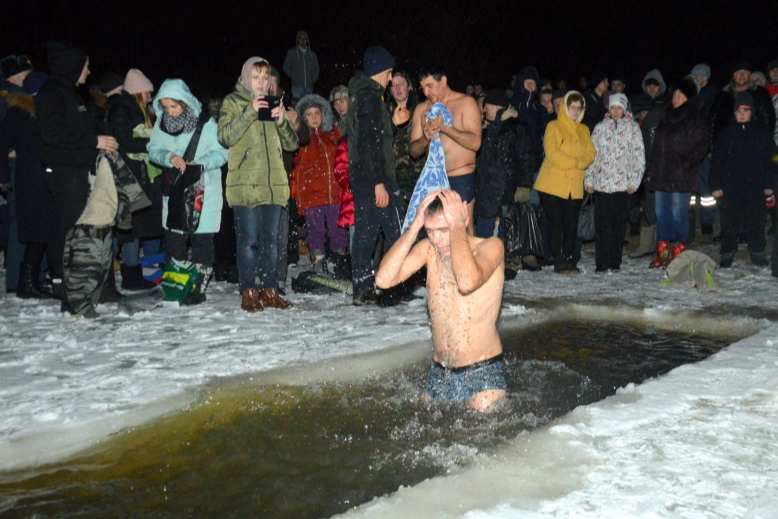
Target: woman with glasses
point(569, 150)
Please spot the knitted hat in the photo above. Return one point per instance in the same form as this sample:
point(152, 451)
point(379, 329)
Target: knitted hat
point(33, 82)
point(687, 86)
point(338, 93)
point(773, 64)
point(109, 81)
point(376, 60)
point(274, 73)
point(136, 82)
point(741, 65)
point(744, 101)
point(701, 70)
point(13, 64)
point(618, 99)
point(595, 78)
point(496, 97)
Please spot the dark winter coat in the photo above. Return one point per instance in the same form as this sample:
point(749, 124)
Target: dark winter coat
point(741, 161)
point(723, 111)
point(123, 115)
point(67, 138)
point(681, 143)
point(531, 112)
point(370, 130)
point(302, 66)
point(505, 162)
point(595, 109)
point(35, 211)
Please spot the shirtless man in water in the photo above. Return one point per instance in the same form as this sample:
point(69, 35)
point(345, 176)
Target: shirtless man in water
point(460, 141)
point(465, 277)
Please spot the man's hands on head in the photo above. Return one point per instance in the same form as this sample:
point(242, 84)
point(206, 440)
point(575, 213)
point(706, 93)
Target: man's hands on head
point(454, 209)
point(418, 220)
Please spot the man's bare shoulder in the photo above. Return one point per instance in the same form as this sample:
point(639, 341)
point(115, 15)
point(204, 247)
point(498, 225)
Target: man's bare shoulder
point(458, 100)
point(487, 248)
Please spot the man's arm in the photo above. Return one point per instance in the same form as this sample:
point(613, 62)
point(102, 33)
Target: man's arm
point(469, 137)
point(419, 141)
point(472, 269)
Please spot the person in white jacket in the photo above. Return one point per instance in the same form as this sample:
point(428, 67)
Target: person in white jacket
point(614, 175)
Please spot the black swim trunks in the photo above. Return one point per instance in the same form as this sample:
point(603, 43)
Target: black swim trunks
point(464, 185)
point(459, 384)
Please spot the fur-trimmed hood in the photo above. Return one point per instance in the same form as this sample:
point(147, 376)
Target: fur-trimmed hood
point(23, 101)
point(327, 117)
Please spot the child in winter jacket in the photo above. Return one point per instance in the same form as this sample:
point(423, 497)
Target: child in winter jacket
point(318, 192)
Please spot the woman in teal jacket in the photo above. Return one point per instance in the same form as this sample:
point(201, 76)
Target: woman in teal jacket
point(179, 111)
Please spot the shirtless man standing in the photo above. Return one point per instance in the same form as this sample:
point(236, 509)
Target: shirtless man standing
point(465, 277)
point(460, 141)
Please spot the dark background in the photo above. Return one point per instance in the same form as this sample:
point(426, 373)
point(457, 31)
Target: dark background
point(205, 43)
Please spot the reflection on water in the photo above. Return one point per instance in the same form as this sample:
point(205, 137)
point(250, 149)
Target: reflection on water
point(310, 452)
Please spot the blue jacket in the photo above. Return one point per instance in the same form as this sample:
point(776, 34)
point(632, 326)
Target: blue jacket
point(163, 146)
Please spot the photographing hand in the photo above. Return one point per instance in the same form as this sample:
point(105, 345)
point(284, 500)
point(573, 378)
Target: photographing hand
point(259, 102)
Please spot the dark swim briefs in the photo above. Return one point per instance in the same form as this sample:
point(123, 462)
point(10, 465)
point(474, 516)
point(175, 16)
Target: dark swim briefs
point(464, 185)
point(459, 384)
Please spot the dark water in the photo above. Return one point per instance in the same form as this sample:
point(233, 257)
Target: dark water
point(310, 452)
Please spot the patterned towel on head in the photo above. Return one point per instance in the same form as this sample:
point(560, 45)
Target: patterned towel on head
point(433, 176)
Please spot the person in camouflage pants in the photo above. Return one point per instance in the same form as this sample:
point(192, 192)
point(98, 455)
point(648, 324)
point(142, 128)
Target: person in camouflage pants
point(88, 257)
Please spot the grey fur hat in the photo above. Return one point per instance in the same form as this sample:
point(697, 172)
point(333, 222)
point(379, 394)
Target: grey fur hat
point(311, 100)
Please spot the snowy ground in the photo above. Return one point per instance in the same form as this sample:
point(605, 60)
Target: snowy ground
point(699, 442)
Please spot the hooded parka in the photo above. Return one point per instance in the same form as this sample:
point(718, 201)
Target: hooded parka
point(256, 166)
point(569, 151)
point(164, 146)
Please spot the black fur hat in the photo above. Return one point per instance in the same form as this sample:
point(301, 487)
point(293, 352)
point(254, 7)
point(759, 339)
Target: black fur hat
point(13, 64)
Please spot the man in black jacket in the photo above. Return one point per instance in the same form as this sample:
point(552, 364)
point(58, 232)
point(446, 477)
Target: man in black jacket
point(69, 146)
point(505, 163)
point(372, 167)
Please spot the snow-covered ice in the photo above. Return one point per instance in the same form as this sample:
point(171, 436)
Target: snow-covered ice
point(698, 442)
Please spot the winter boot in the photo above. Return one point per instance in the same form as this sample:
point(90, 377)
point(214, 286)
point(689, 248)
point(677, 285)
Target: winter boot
point(342, 268)
point(662, 255)
point(530, 262)
point(271, 299)
point(110, 295)
point(647, 242)
point(132, 279)
point(28, 288)
point(757, 258)
point(198, 294)
point(319, 263)
point(249, 300)
point(725, 261)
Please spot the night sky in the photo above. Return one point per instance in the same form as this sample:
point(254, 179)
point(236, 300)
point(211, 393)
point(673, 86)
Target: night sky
point(205, 43)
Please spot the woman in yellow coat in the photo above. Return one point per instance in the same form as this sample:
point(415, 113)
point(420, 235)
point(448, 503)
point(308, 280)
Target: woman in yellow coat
point(569, 151)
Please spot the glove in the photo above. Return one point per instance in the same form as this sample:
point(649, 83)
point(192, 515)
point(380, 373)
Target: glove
point(521, 195)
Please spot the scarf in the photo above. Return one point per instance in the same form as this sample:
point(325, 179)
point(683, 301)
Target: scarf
point(433, 176)
point(184, 123)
